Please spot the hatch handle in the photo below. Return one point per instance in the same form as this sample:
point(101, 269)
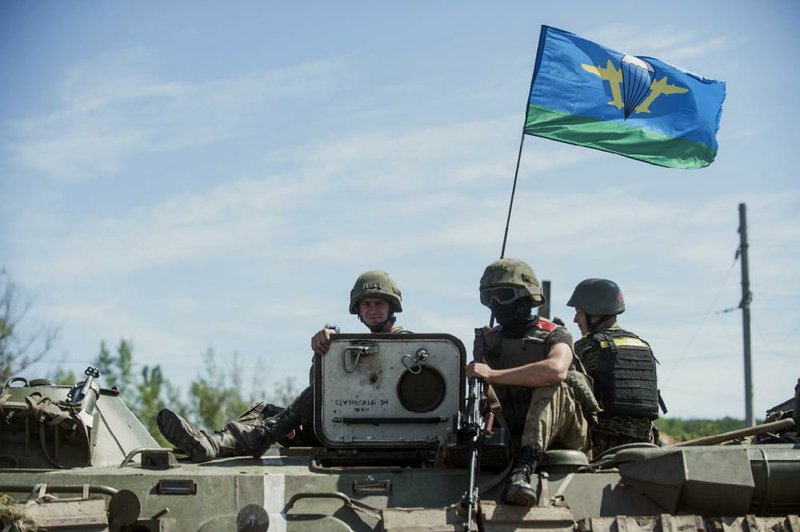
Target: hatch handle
point(413, 363)
point(350, 503)
point(356, 351)
point(155, 458)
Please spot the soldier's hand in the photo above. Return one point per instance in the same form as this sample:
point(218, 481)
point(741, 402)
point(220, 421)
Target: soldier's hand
point(480, 371)
point(321, 341)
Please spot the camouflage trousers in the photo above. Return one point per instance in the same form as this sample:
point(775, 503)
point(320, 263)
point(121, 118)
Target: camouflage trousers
point(555, 420)
point(303, 435)
point(258, 411)
point(622, 430)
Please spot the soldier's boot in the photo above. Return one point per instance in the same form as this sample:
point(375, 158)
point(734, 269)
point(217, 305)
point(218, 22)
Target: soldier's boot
point(199, 445)
point(520, 491)
point(260, 435)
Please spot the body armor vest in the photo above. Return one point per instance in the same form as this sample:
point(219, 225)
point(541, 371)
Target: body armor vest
point(504, 353)
point(624, 371)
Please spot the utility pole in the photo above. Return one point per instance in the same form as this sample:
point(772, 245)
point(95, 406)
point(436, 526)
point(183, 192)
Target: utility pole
point(747, 296)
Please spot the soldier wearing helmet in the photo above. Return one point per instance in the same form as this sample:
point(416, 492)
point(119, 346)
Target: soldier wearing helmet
point(375, 298)
point(528, 362)
point(621, 364)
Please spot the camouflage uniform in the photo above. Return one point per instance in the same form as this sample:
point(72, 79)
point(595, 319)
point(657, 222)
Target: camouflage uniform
point(542, 417)
point(621, 430)
point(545, 417)
point(611, 430)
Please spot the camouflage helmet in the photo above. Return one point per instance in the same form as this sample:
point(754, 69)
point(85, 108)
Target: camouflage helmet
point(598, 297)
point(506, 280)
point(376, 283)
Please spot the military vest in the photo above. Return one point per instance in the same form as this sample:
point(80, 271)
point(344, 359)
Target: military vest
point(504, 353)
point(624, 371)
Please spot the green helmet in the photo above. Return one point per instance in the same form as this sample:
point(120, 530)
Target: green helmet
point(376, 283)
point(598, 297)
point(506, 280)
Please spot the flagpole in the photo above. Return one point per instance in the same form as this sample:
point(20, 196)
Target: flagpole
point(513, 190)
point(522, 138)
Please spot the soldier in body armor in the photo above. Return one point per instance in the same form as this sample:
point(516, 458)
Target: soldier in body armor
point(375, 298)
point(528, 362)
point(621, 365)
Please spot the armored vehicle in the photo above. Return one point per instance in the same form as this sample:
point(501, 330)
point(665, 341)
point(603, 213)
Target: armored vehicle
point(393, 415)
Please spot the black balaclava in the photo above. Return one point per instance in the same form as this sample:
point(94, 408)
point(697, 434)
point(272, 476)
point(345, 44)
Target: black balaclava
point(515, 317)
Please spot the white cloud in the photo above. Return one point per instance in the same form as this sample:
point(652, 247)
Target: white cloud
point(110, 319)
point(79, 152)
point(698, 49)
point(208, 223)
point(444, 157)
point(118, 108)
point(666, 43)
point(111, 79)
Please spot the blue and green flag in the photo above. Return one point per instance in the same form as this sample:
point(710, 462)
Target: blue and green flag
point(585, 94)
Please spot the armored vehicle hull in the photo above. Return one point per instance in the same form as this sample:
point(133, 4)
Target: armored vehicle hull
point(75, 458)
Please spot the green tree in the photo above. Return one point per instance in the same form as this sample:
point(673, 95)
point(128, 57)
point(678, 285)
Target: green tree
point(689, 429)
point(217, 396)
point(145, 393)
point(151, 391)
point(105, 364)
point(20, 346)
point(65, 377)
point(116, 370)
point(125, 362)
point(283, 392)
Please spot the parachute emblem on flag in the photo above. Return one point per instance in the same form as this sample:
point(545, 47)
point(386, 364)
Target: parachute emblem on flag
point(637, 75)
point(634, 85)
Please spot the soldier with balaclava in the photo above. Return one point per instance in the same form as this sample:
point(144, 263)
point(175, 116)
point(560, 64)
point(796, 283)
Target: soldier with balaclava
point(528, 362)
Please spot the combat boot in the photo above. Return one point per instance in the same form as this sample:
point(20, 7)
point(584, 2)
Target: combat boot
point(198, 445)
point(260, 435)
point(519, 490)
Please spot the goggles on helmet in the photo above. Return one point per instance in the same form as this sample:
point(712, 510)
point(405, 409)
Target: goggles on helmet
point(502, 295)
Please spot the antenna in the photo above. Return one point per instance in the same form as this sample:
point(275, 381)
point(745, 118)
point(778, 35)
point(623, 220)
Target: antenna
point(544, 310)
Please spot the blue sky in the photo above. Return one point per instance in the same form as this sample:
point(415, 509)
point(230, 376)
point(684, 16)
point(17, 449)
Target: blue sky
point(194, 175)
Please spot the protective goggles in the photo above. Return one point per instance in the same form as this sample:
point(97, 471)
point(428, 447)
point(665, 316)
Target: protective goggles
point(502, 295)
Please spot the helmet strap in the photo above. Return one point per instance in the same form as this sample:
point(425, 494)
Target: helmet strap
point(379, 327)
point(600, 323)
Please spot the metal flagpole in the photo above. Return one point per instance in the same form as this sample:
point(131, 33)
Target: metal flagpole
point(513, 190)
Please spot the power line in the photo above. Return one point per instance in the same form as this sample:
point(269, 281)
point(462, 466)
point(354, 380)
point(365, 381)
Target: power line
point(766, 343)
point(661, 317)
point(703, 320)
